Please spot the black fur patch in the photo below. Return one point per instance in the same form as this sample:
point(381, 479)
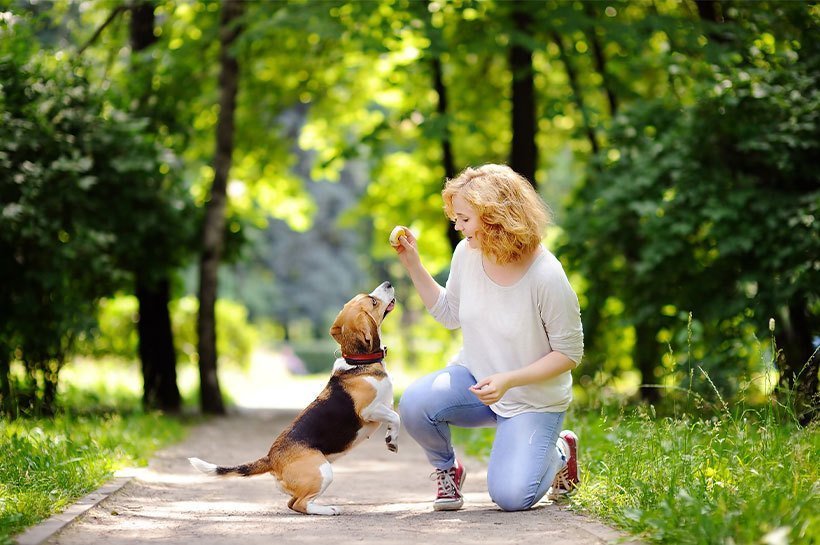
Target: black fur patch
point(330, 424)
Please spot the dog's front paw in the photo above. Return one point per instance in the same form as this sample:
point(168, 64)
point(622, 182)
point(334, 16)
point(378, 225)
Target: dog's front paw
point(391, 446)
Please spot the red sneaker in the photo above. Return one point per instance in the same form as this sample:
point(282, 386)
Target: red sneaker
point(449, 481)
point(568, 477)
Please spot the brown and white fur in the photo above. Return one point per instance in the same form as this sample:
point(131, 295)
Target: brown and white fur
point(356, 401)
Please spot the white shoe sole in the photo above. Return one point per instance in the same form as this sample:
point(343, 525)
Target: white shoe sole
point(447, 505)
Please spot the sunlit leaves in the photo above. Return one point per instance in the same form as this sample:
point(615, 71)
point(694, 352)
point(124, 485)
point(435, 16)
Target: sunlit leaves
point(693, 196)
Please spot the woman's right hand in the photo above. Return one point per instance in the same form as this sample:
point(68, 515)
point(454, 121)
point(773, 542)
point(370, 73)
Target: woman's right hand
point(407, 250)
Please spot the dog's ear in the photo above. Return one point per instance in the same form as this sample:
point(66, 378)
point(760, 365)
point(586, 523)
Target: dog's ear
point(336, 332)
point(368, 333)
point(358, 335)
point(336, 328)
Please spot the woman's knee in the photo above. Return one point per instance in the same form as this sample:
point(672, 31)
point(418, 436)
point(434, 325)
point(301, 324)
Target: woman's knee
point(510, 497)
point(413, 401)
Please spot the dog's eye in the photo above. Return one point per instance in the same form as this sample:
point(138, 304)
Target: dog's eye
point(375, 302)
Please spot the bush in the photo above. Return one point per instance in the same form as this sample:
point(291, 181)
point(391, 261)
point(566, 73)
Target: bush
point(317, 355)
point(116, 331)
point(235, 337)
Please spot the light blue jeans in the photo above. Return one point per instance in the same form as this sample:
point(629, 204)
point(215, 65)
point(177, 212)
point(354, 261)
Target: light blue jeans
point(524, 457)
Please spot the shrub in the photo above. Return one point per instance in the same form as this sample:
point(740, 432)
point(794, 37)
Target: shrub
point(116, 331)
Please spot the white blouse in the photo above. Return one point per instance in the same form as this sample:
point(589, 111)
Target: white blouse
point(509, 327)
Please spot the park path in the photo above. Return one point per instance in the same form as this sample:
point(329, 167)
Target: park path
point(385, 498)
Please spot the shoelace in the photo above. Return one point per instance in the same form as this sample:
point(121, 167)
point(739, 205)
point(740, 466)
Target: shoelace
point(445, 481)
point(561, 481)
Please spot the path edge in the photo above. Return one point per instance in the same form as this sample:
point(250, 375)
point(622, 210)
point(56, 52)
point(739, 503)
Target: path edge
point(44, 530)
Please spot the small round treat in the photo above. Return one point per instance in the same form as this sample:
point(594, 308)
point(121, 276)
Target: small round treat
point(398, 231)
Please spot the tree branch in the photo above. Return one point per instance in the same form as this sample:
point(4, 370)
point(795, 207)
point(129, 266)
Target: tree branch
point(576, 90)
point(108, 21)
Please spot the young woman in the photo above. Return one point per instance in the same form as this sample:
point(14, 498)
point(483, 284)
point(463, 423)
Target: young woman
point(522, 336)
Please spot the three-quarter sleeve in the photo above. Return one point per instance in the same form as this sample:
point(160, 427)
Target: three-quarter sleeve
point(445, 309)
point(561, 316)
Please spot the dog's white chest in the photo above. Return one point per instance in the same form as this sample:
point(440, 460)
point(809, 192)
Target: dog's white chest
point(384, 397)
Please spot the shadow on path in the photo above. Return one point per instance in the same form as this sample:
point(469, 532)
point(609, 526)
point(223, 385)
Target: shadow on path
point(385, 498)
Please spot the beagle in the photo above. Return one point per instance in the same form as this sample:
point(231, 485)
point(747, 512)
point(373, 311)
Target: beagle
point(358, 398)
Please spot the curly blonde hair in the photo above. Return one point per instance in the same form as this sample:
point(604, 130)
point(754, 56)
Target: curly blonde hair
point(513, 216)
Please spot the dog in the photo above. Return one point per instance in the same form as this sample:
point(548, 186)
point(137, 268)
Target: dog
point(357, 400)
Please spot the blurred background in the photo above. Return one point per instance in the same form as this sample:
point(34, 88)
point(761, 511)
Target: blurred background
point(190, 190)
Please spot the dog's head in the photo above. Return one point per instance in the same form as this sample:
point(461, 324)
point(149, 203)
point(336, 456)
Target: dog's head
point(356, 328)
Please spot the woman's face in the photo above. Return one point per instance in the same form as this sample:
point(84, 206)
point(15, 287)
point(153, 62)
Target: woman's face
point(467, 222)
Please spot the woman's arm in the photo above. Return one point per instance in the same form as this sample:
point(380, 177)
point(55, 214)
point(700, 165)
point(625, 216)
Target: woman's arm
point(492, 388)
point(424, 282)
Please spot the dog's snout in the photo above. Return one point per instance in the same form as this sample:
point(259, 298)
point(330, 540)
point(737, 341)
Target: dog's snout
point(384, 292)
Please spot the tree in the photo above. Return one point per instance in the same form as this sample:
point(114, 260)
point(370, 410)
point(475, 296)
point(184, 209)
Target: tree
point(65, 224)
point(435, 50)
point(153, 291)
point(214, 223)
point(523, 151)
point(689, 213)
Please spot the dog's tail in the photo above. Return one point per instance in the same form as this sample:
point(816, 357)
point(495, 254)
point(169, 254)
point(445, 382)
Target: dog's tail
point(262, 465)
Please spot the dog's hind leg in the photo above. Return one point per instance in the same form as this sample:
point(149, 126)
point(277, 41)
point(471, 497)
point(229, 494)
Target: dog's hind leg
point(306, 480)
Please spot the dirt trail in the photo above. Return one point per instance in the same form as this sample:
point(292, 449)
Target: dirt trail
point(385, 498)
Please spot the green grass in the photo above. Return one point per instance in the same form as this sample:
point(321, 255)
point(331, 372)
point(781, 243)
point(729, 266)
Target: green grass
point(48, 463)
point(744, 478)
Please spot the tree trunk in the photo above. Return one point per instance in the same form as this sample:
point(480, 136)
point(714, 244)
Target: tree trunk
point(600, 59)
point(214, 223)
point(142, 25)
point(436, 46)
point(708, 10)
point(576, 91)
point(646, 359)
point(799, 362)
point(156, 338)
point(156, 347)
point(446, 146)
point(524, 154)
point(7, 404)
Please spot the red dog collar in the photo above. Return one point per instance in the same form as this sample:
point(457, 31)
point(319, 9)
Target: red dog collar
point(364, 359)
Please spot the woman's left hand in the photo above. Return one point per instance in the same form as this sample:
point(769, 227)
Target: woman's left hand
point(491, 389)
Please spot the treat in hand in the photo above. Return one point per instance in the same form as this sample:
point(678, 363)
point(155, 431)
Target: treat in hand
point(398, 231)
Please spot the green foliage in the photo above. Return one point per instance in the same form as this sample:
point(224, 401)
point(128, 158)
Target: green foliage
point(88, 201)
point(116, 331)
point(711, 208)
point(235, 337)
point(742, 479)
point(682, 481)
point(47, 464)
point(701, 201)
point(317, 355)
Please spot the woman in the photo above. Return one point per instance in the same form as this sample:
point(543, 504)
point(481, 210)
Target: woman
point(522, 336)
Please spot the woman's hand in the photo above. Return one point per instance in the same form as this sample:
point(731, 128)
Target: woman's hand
point(408, 250)
point(491, 389)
